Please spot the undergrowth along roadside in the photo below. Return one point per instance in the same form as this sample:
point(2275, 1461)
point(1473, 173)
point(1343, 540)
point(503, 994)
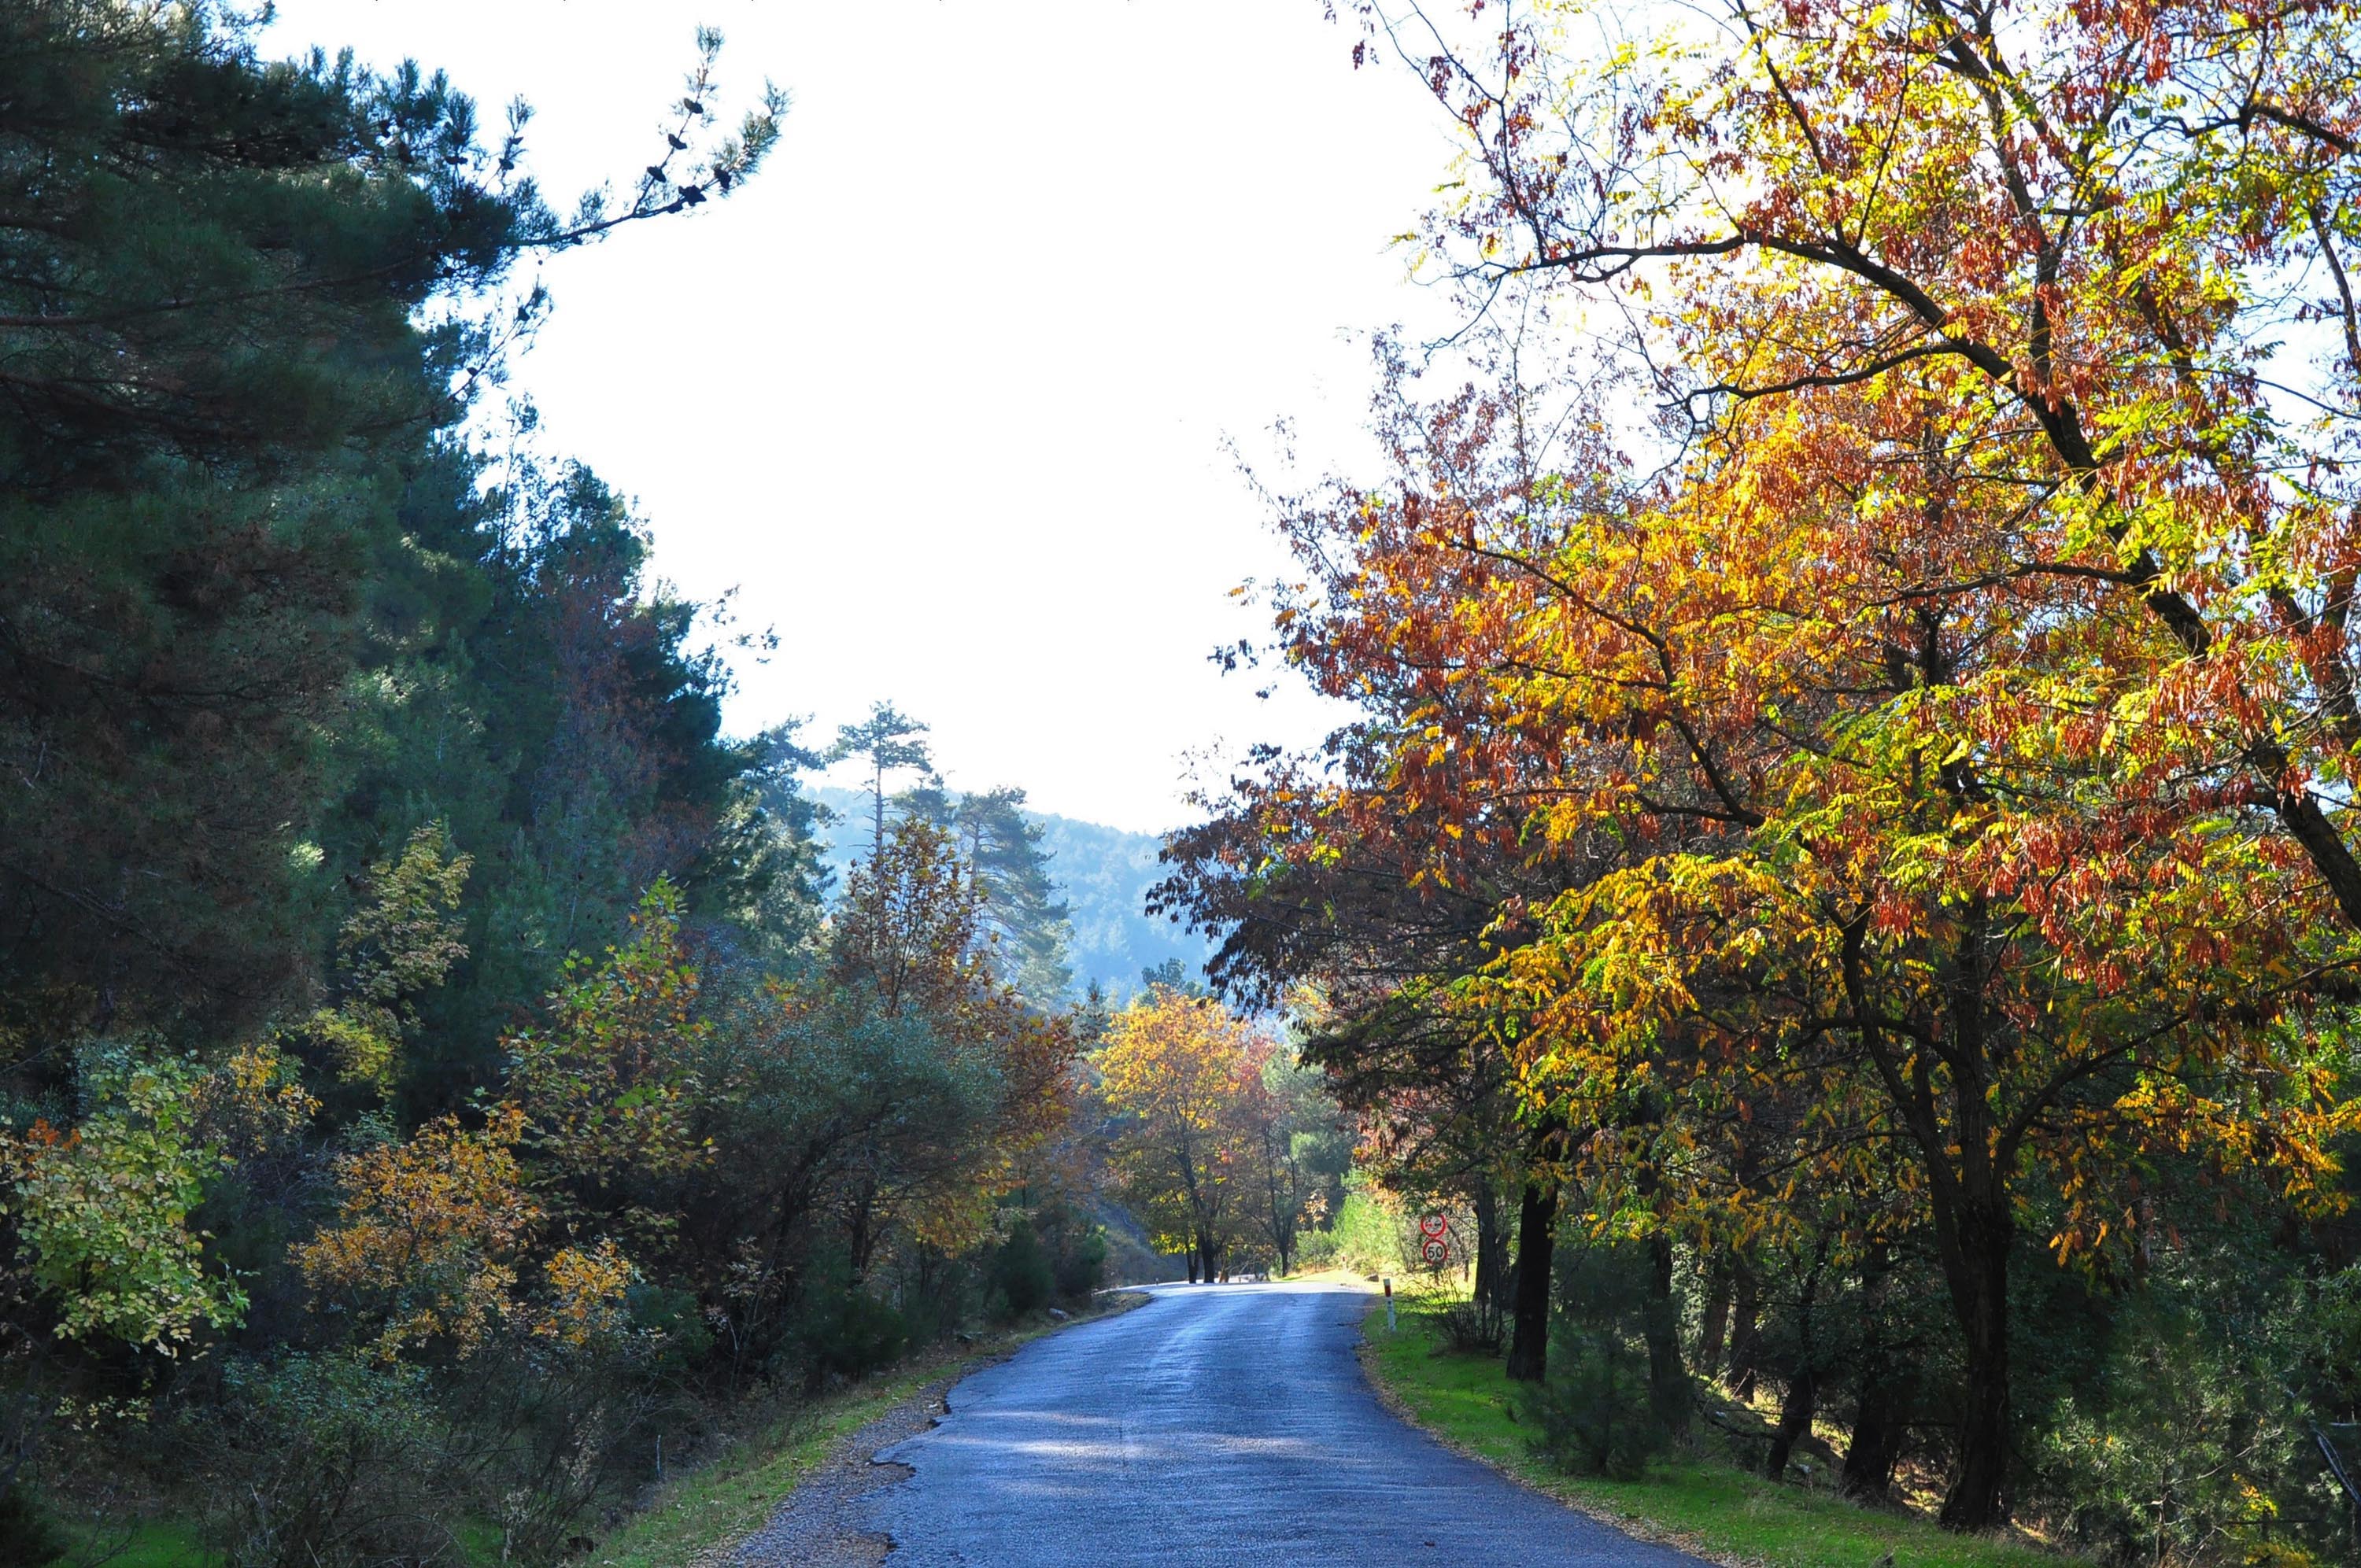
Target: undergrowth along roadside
point(1714, 1509)
point(724, 1502)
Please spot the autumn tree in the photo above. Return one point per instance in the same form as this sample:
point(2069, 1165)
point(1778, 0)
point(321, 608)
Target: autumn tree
point(610, 1093)
point(1183, 1079)
point(398, 944)
point(1363, 892)
point(431, 1239)
point(1975, 695)
point(429, 1235)
point(906, 935)
point(1871, 854)
point(101, 1211)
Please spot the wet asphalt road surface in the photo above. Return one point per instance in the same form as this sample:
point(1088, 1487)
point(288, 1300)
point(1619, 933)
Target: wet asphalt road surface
point(1224, 1424)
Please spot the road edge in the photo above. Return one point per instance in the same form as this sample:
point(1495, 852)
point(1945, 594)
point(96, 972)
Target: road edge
point(918, 1410)
point(1637, 1528)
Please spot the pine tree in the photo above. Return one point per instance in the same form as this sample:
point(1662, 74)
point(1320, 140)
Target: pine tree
point(1021, 903)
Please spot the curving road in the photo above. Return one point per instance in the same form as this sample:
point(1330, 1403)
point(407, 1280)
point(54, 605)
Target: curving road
point(1217, 1424)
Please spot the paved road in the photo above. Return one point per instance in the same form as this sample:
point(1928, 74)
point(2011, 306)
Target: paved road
point(1221, 1424)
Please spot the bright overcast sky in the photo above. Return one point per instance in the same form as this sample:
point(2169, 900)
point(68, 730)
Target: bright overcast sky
point(943, 394)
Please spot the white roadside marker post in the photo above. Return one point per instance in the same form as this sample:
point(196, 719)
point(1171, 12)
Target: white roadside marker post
point(1389, 1305)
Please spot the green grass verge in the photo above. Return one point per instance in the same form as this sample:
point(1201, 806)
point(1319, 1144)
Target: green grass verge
point(728, 1499)
point(1716, 1510)
point(148, 1543)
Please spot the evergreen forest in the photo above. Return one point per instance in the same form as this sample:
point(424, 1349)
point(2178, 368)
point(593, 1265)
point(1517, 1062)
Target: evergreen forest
point(443, 1078)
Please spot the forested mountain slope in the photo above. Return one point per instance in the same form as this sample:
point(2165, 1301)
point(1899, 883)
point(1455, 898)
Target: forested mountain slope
point(1103, 873)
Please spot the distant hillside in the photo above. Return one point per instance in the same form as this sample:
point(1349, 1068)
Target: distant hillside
point(1105, 873)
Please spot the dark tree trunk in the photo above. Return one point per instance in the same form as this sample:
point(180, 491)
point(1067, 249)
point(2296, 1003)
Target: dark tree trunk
point(1796, 1410)
point(1713, 1332)
point(862, 1241)
point(1801, 1401)
point(1879, 1427)
point(1746, 1326)
point(1881, 1421)
point(1536, 1241)
point(1491, 1260)
point(1977, 1270)
point(1192, 1263)
point(1668, 1380)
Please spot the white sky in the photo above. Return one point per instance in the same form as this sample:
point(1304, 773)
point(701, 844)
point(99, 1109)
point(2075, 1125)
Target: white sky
point(943, 392)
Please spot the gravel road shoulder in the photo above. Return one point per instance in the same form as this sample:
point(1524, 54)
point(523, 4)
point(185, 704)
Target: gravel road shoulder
point(817, 1524)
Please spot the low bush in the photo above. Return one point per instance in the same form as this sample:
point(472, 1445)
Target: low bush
point(843, 1330)
point(1593, 1412)
point(324, 1461)
point(28, 1534)
point(1020, 1280)
point(1315, 1250)
point(1082, 1269)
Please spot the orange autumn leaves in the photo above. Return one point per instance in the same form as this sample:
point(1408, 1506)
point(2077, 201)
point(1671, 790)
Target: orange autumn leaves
point(613, 1133)
point(431, 1235)
point(1815, 760)
point(1185, 1081)
point(437, 1238)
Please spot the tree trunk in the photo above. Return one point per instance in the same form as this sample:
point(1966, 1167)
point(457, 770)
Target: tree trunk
point(1536, 1240)
point(1977, 1269)
point(1796, 1410)
point(1192, 1263)
point(1801, 1400)
point(1491, 1258)
point(1879, 1427)
point(861, 1241)
point(1668, 1380)
point(1713, 1333)
point(1746, 1326)
point(1881, 1421)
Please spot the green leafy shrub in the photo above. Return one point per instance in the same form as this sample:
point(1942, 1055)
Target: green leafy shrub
point(844, 1331)
point(1315, 1250)
point(1367, 1234)
point(1083, 1267)
point(1021, 1279)
point(325, 1461)
point(2236, 1475)
point(1594, 1414)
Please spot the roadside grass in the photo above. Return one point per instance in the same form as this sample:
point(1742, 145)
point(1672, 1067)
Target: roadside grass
point(689, 1520)
point(1714, 1509)
point(147, 1543)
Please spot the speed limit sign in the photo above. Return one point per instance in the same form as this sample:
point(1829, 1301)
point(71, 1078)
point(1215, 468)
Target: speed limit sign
point(1436, 1250)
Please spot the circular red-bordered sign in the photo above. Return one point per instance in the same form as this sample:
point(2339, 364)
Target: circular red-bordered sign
point(1434, 1225)
point(1436, 1249)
